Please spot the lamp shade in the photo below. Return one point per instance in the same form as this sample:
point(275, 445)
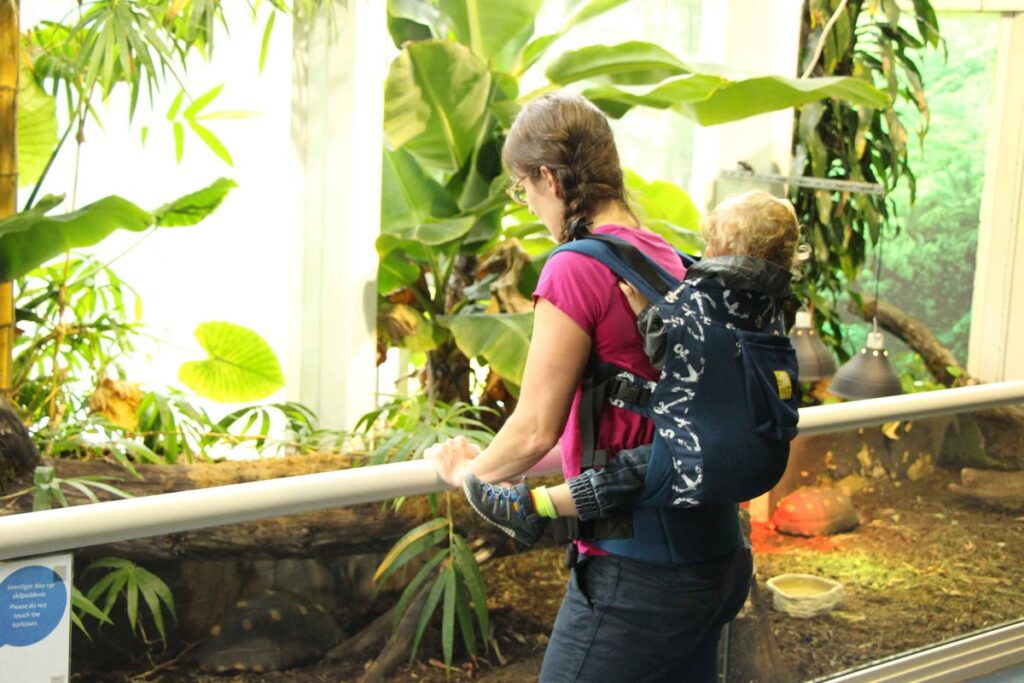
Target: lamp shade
point(868, 374)
point(814, 360)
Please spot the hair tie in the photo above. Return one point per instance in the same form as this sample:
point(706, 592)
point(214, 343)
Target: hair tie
point(579, 227)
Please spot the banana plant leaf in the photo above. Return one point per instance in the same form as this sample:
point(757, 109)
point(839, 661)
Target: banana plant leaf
point(501, 339)
point(710, 99)
point(409, 196)
point(37, 129)
point(29, 239)
point(436, 95)
point(632, 63)
point(494, 31)
point(538, 46)
point(668, 210)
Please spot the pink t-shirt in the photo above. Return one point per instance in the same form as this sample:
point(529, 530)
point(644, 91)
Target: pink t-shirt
point(587, 292)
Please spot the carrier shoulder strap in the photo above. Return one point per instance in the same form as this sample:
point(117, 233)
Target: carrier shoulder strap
point(628, 263)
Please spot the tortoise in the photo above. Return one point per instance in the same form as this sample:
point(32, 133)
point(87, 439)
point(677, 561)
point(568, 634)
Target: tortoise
point(271, 631)
point(815, 511)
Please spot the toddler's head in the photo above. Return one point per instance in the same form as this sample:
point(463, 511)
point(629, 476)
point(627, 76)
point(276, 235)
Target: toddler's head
point(755, 224)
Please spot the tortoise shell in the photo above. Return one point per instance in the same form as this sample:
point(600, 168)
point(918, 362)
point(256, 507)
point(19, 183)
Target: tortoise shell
point(272, 631)
point(815, 511)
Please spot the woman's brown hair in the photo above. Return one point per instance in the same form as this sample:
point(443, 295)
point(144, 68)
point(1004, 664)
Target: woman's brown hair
point(570, 136)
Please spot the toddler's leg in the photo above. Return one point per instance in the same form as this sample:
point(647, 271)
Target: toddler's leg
point(599, 493)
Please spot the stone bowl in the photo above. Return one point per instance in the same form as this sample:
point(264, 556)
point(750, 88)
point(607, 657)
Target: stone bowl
point(804, 595)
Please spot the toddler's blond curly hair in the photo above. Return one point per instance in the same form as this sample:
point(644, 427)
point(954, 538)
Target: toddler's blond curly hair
point(756, 224)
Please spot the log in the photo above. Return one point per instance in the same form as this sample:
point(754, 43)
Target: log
point(1000, 490)
point(359, 529)
point(1003, 427)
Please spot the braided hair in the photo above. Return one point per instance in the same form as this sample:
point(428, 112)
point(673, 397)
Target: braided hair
point(570, 136)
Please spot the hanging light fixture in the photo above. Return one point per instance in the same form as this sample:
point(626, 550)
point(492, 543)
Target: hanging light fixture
point(869, 373)
point(814, 360)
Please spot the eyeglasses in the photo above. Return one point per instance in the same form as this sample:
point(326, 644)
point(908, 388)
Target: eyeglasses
point(516, 192)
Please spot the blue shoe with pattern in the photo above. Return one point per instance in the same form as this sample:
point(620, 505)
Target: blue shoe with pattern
point(509, 509)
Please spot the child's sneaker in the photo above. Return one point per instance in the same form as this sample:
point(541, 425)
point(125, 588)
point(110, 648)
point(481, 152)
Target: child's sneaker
point(509, 509)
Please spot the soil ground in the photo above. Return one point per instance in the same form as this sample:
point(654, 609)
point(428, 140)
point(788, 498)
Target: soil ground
point(922, 567)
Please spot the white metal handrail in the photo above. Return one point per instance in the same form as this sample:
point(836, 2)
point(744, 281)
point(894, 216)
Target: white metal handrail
point(63, 529)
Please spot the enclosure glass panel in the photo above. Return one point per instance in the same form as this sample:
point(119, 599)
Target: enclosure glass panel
point(928, 268)
point(923, 535)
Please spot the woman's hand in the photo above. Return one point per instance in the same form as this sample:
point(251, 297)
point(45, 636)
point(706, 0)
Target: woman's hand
point(451, 457)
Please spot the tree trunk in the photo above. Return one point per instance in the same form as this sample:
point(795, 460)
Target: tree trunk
point(367, 528)
point(1003, 428)
point(10, 39)
point(448, 373)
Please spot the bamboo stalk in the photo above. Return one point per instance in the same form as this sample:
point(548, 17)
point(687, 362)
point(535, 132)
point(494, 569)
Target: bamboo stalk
point(10, 38)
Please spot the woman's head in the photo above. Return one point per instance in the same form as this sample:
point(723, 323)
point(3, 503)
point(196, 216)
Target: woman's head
point(561, 149)
point(755, 224)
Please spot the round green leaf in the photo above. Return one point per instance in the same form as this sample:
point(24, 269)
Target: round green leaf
point(241, 366)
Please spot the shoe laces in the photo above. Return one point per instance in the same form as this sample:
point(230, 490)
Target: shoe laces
point(503, 499)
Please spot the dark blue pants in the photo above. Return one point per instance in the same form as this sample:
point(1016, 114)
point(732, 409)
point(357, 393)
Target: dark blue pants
point(624, 621)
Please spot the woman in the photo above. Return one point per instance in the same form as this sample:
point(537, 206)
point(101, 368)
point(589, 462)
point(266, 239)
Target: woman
point(622, 620)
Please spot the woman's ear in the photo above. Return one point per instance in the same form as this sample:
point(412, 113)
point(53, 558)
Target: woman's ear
point(550, 182)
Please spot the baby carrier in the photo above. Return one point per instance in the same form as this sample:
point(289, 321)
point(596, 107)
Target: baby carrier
point(724, 406)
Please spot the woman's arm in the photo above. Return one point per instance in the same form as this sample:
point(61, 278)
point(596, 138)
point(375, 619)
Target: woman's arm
point(558, 354)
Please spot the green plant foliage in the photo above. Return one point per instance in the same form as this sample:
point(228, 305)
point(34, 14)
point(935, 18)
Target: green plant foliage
point(495, 32)
point(30, 238)
point(173, 430)
point(874, 43)
point(241, 366)
point(127, 581)
point(405, 427)
point(77, 319)
point(238, 427)
point(37, 128)
point(666, 209)
point(457, 584)
point(83, 606)
point(436, 95)
point(710, 100)
point(451, 95)
point(48, 488)
point(501, 340)
point(194, 207)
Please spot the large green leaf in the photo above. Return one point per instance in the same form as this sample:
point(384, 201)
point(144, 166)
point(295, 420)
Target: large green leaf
point(712, 99)
point(668, 210)
point(30, 238)
point(633, 63)
point(501, 339)
point(432, 234)
point(408, 195)
point(435, 102)
point(194, 207)
point(536, 49)
point(241, 365)
point(492, 30)
point(37, 129)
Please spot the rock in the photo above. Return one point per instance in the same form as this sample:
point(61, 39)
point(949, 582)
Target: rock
point(815, 511)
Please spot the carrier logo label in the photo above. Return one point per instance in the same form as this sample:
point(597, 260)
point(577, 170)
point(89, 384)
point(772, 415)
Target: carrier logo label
point(785, 384)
